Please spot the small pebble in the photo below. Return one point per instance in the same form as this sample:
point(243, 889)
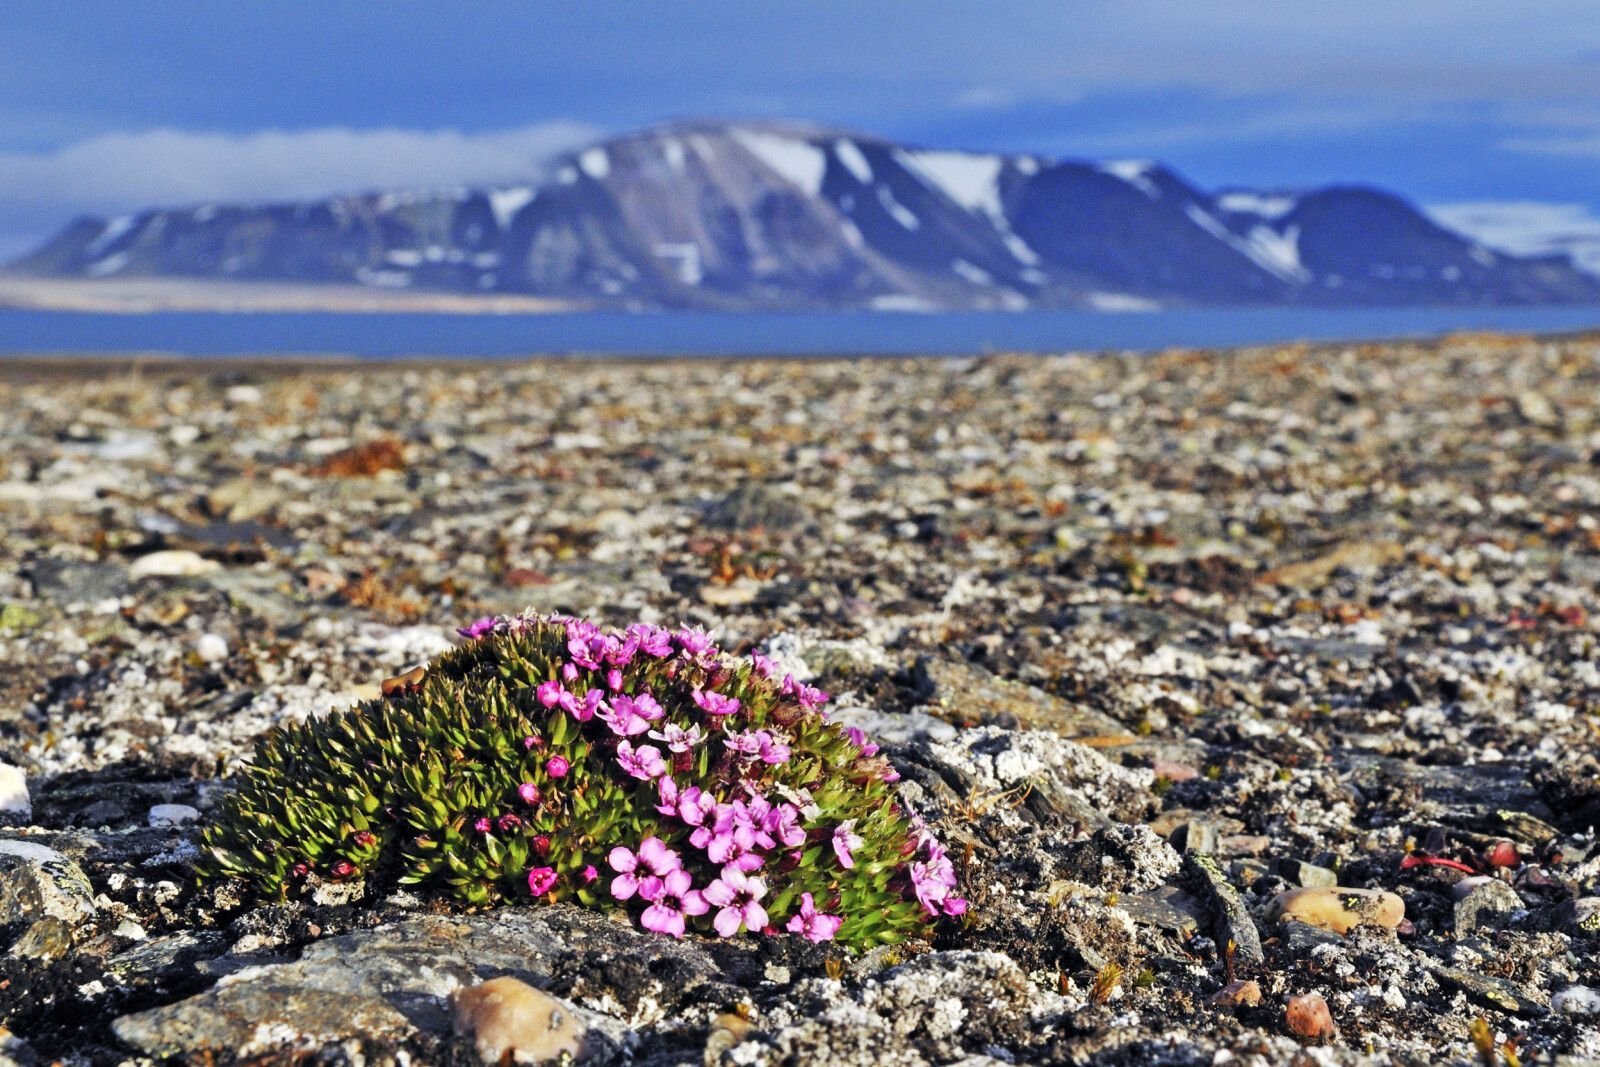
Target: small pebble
point(506, 1017)
point(172, 563)
point(173, 815)
point(1308, 1018)
point(211, 648)
point(14, 792)
point(1577, 1000)
point(1241, 992)
point(1338, 908)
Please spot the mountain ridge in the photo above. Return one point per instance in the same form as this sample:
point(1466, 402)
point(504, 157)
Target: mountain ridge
point(793, 216)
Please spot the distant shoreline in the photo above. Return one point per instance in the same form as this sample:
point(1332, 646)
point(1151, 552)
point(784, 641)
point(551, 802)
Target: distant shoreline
point(138, 296)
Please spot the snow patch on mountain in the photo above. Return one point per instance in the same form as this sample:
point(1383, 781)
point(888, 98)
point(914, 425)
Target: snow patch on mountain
point(850, 155)
point(968, 179)
point(108, 236)
point(1266, 205)
point(897, 211)
point(595, 163)
point(1265, 248)
point(797, 162)
point(505, 203)
point(1136, 172)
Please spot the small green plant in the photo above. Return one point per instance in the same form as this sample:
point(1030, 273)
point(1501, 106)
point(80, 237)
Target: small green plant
point(543, 752)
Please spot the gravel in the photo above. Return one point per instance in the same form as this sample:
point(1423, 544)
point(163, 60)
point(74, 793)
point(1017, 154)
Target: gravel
point(1152, 639)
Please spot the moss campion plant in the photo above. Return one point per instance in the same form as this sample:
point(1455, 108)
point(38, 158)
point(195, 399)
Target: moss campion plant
point(547, 760)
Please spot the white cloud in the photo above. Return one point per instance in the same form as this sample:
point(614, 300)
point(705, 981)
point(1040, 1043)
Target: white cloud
point(126, 171)
point(1528, 228)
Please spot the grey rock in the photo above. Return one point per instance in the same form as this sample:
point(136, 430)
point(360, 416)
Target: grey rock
point(1580, 915)
point(1196, 835)
point(754, 506)
point(392, 984)
point(1486, 906)
point(67, 581)
point(1230, 920)
point(1302, 873)
point(965, 693)
point(1166, 908)
point(1491, 992)
point(1301, 937)
point(44, 899)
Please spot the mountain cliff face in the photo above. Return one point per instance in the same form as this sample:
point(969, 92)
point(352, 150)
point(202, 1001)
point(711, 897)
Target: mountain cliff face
point(742, 217)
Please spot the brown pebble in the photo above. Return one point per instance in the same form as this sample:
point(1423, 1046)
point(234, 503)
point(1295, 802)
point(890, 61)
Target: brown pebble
point(1337, 908)
point(1239, 993)
point(506, 1017)
point(1308, 1018)
point(402, 682)
point(727, 1030)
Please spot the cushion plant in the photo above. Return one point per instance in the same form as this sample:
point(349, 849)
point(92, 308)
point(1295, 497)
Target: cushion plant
point(546, 759)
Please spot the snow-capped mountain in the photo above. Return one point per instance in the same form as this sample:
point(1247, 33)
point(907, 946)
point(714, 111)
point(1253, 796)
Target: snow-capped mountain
point(763, 216)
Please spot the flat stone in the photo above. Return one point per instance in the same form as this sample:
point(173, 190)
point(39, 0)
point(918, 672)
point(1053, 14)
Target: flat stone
point(1165, 908)
point(77, 581)
point(1231, 922)
point(965, 694)
point(395, 982)
point(1491, 992)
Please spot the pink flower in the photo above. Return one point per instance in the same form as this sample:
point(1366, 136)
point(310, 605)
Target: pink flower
point(672, 898)
point(933, 882)
point(613, 679)
point(695, 806)
point(772, 751)
point(811, 924)
point(585, 649)
point(667, 795)
point(654, 858)
point(695, 643)
point(528, 793)
point(676, 738)
point(342, 869)
point(541, 880)
point(557, 766)
point(569, 672)
point(482, 824)
point(738, 895)
point(477, 629)
point(642, 762)
point(808, 696)
point(714, 703)
point(630, 716)
point(651, 640)
point(783, 823)
point(845, 842)
point(764, 666)
point(859, 739)
point(588, 874)
point(954, 906)
point(746, 744)
point(508, 822)
point(532, 742)
point(550, 693)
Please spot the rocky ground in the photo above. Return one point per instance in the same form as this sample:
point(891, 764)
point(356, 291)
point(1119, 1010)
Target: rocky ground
point(1155, 639)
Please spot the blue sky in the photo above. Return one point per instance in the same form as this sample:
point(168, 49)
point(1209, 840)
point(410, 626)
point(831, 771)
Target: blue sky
point(106, 106)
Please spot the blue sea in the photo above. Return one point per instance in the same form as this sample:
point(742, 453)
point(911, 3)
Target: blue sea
point(394, 335)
